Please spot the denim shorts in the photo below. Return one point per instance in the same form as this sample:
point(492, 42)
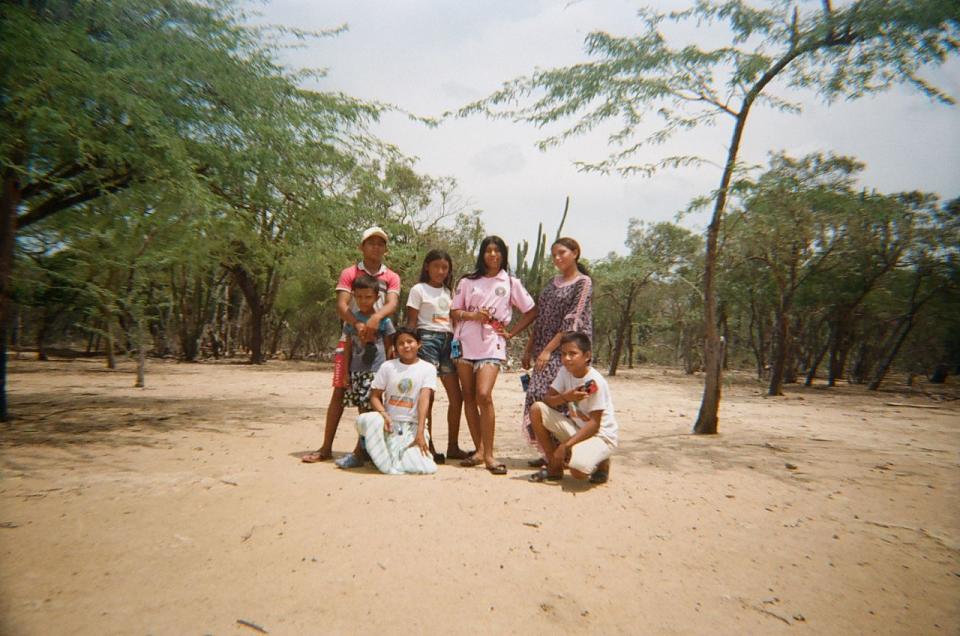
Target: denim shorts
point(479, 362)
point(435, 349)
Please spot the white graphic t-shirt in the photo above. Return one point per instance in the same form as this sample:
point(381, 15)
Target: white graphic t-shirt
point(433, 307)
point(600, 400)
point(401, 384)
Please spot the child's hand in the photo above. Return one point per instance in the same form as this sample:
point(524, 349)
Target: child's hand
point(542, 361)
point(373, 324)
point(420, 443)
point(387, 423)
point(361, 329)
point(575, 395)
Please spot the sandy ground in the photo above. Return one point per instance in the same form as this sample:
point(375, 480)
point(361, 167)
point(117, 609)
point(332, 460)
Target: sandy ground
point(183, 508)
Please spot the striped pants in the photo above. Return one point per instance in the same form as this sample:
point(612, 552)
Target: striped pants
point(390, 452)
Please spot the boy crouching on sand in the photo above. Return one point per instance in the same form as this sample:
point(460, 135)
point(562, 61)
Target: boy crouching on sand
point(589, 434)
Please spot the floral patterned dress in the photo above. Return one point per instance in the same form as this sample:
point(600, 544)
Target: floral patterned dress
point(563, 306)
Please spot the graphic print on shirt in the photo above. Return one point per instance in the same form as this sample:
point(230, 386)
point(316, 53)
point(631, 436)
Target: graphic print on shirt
point(402, 399)
point(442, 315)
point(479, 300)
point(483, 301)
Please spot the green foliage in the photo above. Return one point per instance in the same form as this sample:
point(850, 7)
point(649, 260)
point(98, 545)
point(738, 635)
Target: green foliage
point(863, 46)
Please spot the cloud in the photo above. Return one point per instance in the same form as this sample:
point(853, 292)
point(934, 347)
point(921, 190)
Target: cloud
point(460, 92)
point(499, 160)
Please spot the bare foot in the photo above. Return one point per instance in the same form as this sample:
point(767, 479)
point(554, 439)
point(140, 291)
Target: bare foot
point(316, 456)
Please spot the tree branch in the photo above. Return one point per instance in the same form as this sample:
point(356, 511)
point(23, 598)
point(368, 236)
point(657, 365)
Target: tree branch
point(50, 180)
point(56, 204)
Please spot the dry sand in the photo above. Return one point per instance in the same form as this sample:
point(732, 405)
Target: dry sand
point(183, 507)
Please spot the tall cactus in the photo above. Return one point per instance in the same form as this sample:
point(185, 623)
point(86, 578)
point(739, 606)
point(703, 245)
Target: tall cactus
point(563, 219)
point(532, 275)
point(521, 270)
point(536, 267)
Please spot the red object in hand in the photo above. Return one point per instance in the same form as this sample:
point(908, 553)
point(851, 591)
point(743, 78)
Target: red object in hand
point(340, 366)
point(590, 387)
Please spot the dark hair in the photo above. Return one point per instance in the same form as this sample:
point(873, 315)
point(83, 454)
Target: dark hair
point(406, 331)
point(573, 246)
point(578, 338)
point(504, 257)
point(436, 255)
point(366, 281)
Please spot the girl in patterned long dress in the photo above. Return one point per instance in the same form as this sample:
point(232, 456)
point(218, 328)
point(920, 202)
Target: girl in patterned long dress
point(565, 304)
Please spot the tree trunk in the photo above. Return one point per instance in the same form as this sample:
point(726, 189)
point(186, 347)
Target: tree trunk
point(790, 370)
point(815, 364)
point(757, 345)
point(861, 363)
point(256, 335)
point(111, 356)
point(779, 362)
point(42, 330)
point(887, 361)
point(707, 419)
point(91, 340)
point(834, 362)
point(295, 345)
point(141, 354)
point(725, 329)
point(10, 196)
point(17, 338)
point(621, 330)
point(4, 414)
point(245, 282)
point(940, 374)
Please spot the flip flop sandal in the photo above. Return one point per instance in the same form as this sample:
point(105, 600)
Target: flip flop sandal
point(542, 475)
point(499, 469)
point(470, 462)
point(539, 462)
point(439, 458)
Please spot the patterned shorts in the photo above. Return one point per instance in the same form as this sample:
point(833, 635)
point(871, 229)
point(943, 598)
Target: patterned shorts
point(358, 393)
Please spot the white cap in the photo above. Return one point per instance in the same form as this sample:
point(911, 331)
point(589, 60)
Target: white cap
point(373, 231)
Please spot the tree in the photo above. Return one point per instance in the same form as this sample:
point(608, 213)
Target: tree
point(791, 224)
point(864, 47)
point(657, 252)
point(101, 97)
point(932, 272)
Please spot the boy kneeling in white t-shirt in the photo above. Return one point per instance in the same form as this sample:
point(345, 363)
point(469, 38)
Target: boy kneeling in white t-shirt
point(394, 432)
point(589, 434)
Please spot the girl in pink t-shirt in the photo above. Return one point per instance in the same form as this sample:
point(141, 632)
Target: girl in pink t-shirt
point(483, 308)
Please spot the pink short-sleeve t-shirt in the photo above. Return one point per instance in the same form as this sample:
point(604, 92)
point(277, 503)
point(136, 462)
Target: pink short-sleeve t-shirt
point(389, 283)
point(499, 294)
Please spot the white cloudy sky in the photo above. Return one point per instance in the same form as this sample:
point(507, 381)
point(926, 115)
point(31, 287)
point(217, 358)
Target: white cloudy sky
point(431, 56)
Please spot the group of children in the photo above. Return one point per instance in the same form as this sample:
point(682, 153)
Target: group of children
point(461, 337)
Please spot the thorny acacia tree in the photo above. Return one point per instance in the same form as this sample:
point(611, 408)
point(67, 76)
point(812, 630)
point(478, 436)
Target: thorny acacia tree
point(863, 47)
point(98, 98)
